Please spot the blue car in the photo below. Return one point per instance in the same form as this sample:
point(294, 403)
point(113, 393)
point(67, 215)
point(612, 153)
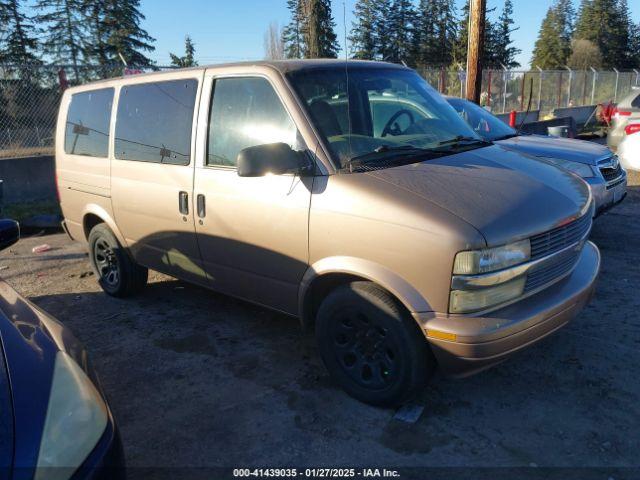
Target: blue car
point(595, 163)
point(55, 422)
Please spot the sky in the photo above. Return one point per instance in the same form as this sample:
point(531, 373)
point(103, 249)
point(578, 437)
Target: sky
point(230, 30)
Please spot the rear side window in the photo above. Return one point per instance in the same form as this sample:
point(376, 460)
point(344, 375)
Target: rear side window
point(154, 122)
point(87, 128)
point(635, 103)
point(246, 112)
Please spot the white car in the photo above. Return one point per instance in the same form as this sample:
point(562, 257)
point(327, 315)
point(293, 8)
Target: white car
point(629, 147)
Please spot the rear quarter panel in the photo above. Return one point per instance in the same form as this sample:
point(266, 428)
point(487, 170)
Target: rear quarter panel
point(84, 183)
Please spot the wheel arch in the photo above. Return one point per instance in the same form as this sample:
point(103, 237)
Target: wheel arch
point(329, 273)
point(93, 215)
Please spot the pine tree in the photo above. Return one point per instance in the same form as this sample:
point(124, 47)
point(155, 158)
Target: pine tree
point(425, 41)
point(384, 29)
point(634, 44)
point(553, 46)
point(462, 40)
point(311, 31)
point(19, 44)
point(436, 32)
point(321, 40)
point(65, 29)
point(363, 39)
point(401, 18)
point(94, 12)
point(505, 52)
point(292, 34)
point(606, 24)
point(188, 59)
point(124, 35)
point(489, 57)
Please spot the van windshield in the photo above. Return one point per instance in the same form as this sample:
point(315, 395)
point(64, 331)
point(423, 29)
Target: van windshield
point(381, 116)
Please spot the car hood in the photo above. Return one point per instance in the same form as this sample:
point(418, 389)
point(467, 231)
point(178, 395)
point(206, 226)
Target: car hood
point(563, 148)
point(505, 195)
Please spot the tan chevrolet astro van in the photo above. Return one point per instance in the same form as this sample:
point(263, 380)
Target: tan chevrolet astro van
point(390, 227)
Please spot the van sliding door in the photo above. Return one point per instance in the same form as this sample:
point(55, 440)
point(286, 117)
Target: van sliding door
point(152, 174)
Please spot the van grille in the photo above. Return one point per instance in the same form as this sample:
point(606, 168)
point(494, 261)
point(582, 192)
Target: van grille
point(539, 278)
point(559, 238)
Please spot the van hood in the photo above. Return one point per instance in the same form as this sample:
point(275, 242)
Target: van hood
point(562, 148)
point(505, 195)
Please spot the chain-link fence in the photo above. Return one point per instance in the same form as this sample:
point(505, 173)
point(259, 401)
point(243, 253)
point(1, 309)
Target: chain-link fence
point(30, 94)
point(506, 90)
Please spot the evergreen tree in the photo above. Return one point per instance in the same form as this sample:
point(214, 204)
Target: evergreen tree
point(553, 46)
point(19, 45)
point(384, 29)
point(124, 36)
point(311, 31)
point(634, 44)
point(94, 12)
point(188, 59)
point(489, 57)
point(436, 32)
point(606, 24)
point(462, 40)
point(363, 39)
point(401, 18)
point(292, 34)
point(321, 39)
point(447, 30)
point(505, 52)
point(64, 27)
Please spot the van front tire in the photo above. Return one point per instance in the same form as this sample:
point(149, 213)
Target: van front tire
point(371, 346)
point(117, 274)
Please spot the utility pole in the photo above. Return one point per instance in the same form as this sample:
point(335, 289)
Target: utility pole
point(475, 47)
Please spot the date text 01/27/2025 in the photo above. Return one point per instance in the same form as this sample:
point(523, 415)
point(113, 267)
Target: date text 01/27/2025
point(315, 472)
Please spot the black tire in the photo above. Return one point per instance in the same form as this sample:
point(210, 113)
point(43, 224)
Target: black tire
point(371, 346)
point(117, 273)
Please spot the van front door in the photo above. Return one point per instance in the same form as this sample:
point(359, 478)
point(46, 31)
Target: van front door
point(252, 232)
point(152, 175)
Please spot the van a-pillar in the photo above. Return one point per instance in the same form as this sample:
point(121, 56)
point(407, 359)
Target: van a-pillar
point(475, 47)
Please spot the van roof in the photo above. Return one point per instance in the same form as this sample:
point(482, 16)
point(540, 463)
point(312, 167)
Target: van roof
point(283, 66)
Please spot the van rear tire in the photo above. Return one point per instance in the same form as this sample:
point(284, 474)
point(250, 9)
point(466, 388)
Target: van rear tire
point(371, 345)
point(118, 275)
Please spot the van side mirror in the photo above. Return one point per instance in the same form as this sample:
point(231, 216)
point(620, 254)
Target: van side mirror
point(9, 233)
point(274, 158)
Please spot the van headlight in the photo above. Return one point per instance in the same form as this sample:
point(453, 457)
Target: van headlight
point(488, 277)
point(465, 301)
point(491, 259)
point(76, 419)
point(580, 169)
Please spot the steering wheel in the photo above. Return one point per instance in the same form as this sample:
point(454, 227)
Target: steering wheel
point(392, 128)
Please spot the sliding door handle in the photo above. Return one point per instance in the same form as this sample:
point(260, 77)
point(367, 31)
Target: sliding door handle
point(202, 210)
point(183, 203)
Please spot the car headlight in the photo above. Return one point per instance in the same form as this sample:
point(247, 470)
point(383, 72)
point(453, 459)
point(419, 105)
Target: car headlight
point(491, 259)
point(581, 169)
point(76, 419)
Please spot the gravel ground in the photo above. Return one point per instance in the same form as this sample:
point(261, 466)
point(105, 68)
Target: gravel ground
point(198, 379)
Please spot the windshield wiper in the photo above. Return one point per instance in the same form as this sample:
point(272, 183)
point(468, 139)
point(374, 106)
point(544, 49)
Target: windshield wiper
point(463, 140)
point(389, 154)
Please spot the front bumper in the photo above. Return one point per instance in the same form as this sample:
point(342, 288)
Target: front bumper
point(604, 197)
point(468, 344)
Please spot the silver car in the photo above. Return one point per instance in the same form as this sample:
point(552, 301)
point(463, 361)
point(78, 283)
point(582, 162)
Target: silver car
point(627, 111)
point(595, 163)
